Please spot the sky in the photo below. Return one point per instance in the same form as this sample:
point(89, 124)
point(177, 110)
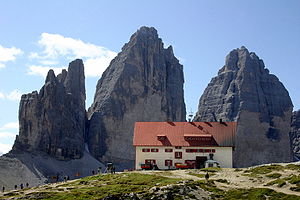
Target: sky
point(38, 35)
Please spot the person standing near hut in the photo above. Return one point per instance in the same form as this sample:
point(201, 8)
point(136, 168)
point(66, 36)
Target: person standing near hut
point(206, 176)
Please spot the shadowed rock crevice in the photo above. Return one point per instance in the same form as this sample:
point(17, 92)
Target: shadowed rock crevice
point(143, 83)
point(245, 92)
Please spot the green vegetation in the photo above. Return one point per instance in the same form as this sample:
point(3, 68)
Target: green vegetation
point(237, 170)
point(274, 175)
point(96, 187)
point(149, 186)
point(254, 172)
point(196, 174)
point(264, 169)
point(249, 194)
point(222, 181)
point(279, 182)
point(211, 169)
point(292, 167)
point(294, 179)
point(257, 194)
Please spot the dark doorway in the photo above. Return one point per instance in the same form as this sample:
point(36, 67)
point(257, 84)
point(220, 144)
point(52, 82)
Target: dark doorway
point(200, 161)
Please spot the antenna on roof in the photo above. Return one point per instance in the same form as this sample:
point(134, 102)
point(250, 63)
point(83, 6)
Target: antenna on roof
point(190, 116)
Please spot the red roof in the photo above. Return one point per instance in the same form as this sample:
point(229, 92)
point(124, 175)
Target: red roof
point(176, 133)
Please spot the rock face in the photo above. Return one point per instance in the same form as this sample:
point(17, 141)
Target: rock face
point(143, 83)
point(295, 135)
point(245, 92)
point(53, 120)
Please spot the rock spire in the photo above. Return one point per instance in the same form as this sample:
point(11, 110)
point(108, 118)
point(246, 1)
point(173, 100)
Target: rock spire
point(245, 91)
point(143, 83)
point(53, 120)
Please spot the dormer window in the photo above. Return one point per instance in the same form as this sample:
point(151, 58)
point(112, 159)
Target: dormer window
point(161, 137)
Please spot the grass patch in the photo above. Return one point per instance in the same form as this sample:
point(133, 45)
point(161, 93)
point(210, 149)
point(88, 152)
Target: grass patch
point(292, 167)
point(273, 175)
point(97, 187)
point(211, 169)
point(254, 172)
point(294, 179)
point(196, 174)
point(222, 181)
point(279, 182)
point(257, 194)
point(237, 170)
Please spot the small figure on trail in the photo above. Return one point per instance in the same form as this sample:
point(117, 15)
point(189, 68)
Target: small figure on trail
point(65, 178)
point(16, 187)
point(68, 178)
point(21, 186)
point(113, 169)
point(100, 170)
point(27, 185)
point(93, 172)
point(57, 177)
point(3, 189)
point(206, 176)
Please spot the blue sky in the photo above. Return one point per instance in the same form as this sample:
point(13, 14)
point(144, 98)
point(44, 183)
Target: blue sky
point(38, 35)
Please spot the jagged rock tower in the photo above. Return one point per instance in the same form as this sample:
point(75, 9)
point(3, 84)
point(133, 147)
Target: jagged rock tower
point(53, 120)
point(143, 83)
point(245, 92)
point(295, 135)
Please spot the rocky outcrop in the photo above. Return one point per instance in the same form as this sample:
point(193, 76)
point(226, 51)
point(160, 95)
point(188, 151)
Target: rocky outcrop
point(245, 91)
point(53, 120)
point(143, 83)
point(295, 135)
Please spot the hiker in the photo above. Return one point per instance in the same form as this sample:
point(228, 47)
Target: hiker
point(113, 169)
point(65, 178)
point(27, 185)
point(16, 187)
point(57, 177)
point(3, 189)
point(21, 186)
point(68, 178)
point(93, 172)
point(206, 176)
point(99, 170)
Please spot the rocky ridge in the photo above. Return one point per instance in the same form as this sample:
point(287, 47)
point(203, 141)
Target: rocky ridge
point(295, 135)
point(143, 83)
point(53, 120)
point(245, 91)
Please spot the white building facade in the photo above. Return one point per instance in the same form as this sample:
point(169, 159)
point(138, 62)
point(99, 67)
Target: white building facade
point(184, 143)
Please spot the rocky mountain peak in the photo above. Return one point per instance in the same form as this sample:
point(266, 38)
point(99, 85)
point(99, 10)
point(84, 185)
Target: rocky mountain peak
point(143, 83)
point(50, 76)
point(75, 80)
point(144, 38)
point(245, 92)
point(53, 120)
point(145, 33)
